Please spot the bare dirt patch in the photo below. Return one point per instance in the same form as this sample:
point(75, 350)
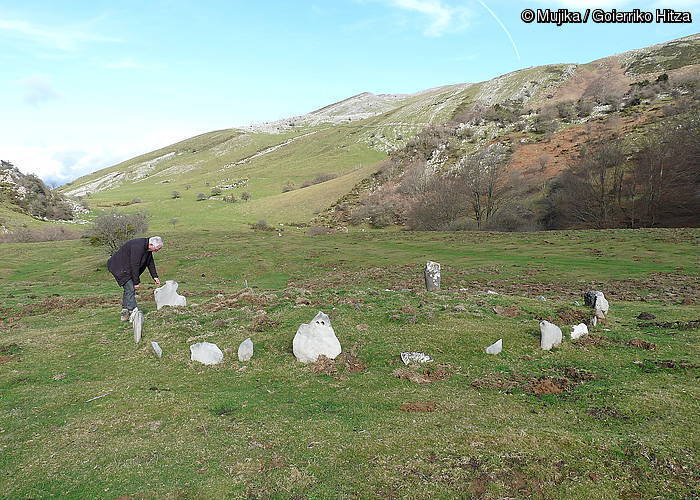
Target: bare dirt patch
point(351, 362)
point(244, 297)
point(51, 304)
point(507, 312)
point(323, 366)
point(591, 340)
point(674, 325)
point(655, 365)
point(646, 316)
point(425, 376)
point(642, 344)
point(428, 406)
point(606, 413)
point(571, 316)
point(555, 381)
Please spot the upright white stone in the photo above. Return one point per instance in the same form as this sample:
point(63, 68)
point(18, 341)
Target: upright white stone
point(245, 350)
point(579, 331)
point(596, 299)
point(207, 353)
point(156, 349)
point(495, 348)
point(136, 319)
point(167, 295)
point(594, 321)
point(432, 276)
point(315, 338)
point(551, 335)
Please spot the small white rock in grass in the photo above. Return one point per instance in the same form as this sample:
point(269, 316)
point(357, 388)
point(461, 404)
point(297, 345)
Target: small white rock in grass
point(579, 331)
point(409, 357)
point(593, 321)
point(492, 292)
point(156, 349)
point(495, 348)
point(542, 298)
point(551, 335)
point(207, 353)
point(245, 350)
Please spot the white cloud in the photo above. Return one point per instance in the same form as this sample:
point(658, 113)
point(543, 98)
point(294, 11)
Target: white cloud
point(38, 90)
point(443, 17)
point(63, 38)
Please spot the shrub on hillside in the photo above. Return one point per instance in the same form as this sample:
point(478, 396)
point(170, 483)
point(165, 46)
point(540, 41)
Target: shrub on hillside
point(318, 231)
point(201, 197)
point(114, 228)
point(216, 191)
point(245, 196)
point(175, 195)
point(288, 186)
point(30, 235)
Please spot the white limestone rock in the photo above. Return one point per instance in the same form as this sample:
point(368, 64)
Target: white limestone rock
point(245, 350)
point(156, 349)
point(593, 322)
point(207, 353)
point(551, 335)
point(596, 299)
point(495, 348)
point(579, 331)
point(136, 319)
point(432, 276)
point(315, 338)
point(409, 357)
point(167, 295)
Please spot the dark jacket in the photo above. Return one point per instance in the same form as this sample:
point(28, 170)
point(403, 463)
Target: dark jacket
point(131, 260)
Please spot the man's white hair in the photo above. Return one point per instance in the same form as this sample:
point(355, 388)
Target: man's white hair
point(156, 241)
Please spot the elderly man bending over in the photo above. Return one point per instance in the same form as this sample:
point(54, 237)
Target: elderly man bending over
point(127, 264)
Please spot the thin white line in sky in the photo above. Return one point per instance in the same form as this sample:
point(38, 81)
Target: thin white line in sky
point(515, 47)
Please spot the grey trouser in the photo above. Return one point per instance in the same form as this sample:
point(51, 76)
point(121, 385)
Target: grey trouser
point(129, 299)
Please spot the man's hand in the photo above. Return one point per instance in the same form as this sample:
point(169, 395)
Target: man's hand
point(157, 280)
point(136, 287)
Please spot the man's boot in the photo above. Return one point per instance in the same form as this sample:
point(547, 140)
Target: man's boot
point(124, 315)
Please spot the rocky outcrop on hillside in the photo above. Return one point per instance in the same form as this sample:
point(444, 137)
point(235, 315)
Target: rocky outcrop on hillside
point(29, 194)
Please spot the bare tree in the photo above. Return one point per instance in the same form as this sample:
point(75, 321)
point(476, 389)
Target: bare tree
point(483, 177)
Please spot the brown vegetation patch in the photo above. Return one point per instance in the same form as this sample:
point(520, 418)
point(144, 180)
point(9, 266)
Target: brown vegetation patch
point(591, 340)
point(675, 325)
point(564, 380)
point(5, 359)
point(261, 322)
point(247, 296)
point(65, 304)
point(571, 316)
point(642, 344)
point(323, 365)
point(428, 406)
point(605, 413)
point(646, 316)
point(426, 376)
point(508, 312)
point(654, 365)
point(351, 362)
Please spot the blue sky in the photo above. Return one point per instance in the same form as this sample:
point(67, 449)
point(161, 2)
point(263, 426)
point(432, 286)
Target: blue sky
point(86, 84)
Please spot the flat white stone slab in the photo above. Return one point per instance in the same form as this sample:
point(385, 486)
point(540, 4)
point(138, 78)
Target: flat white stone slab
point(415, 357)
point(551, 335)
point(167, 295)
point(245, 350)
point(207, 353)
point(315, 338)
point(495, 348)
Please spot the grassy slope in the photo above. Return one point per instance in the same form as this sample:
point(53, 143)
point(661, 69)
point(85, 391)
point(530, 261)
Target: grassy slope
point(170, 428)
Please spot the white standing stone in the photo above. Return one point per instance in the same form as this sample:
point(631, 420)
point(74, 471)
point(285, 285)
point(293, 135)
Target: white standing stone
point(167, 295)
point(156, 349)
point(596, 299)
point(207, 353)
point(579, 331)
point(409, 357)
point(432, 276)
point(594, 321)
point(315, 338)
point(495, 348)
point(245, 350)
point(136, 319)
point(551, 335)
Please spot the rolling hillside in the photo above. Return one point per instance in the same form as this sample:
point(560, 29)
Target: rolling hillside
point(348, 139)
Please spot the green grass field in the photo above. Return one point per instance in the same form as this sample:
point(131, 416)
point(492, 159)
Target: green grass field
point(622, 426)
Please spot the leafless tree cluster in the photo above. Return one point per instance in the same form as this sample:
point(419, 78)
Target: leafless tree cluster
point(114, 228)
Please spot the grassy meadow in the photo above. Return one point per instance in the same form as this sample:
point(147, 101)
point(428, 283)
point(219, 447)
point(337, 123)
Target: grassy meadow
point(599, 417)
